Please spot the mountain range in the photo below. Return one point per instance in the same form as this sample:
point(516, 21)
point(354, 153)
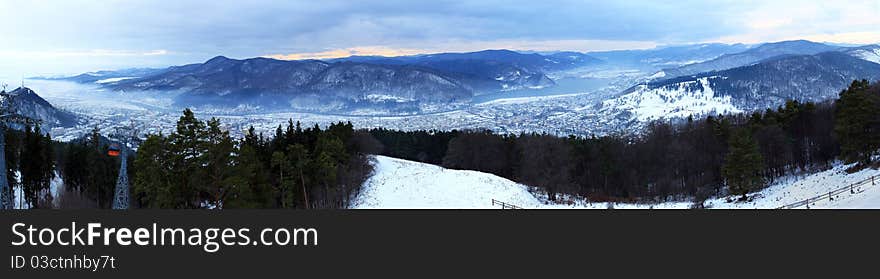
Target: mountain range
point(399, 84)
point(668, 56)
point(750, 56)
point(712, 77)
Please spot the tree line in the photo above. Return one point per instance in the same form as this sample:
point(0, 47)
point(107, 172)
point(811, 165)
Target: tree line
point(687, 160)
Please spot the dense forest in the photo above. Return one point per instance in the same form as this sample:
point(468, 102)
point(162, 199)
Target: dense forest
point(690, 160)
point(199, 165)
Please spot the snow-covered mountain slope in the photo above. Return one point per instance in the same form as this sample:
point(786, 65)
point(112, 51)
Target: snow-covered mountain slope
point(750, 56)
point(680, 100)
point(411, 185)
point(805, 78)
point(869, 53)
point(26, 102)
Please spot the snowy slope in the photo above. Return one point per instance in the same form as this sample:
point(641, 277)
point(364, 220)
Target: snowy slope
point(405, 184)
point(869, 54)
point(794, 189)
point(675, 101)
point(770, 83)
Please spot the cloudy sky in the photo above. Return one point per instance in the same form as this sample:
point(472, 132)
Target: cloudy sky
point(70, 36)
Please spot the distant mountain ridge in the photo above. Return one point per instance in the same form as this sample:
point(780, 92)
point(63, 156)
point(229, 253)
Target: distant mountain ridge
point(26, 102)
point(533, 62)
point(750, 56)
point(277, 83)
point(767, 84)
point(444, 81)
point(349, 83)
point(109, 76)
point(668, 56)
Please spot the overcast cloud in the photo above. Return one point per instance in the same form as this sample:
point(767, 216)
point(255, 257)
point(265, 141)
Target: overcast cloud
point(54, 37)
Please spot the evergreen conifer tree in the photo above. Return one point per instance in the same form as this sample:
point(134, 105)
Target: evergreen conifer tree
point(743, 164)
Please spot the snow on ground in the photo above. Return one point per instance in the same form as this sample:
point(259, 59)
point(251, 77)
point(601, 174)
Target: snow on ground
point(674, 101)
point(18, 194)
point(405, 184)
point(18, 202)
point(796, 189)
point(400, 183)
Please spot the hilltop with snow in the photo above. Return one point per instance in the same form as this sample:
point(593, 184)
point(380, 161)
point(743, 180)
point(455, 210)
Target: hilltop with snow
point(675, 101)
point(400, 183)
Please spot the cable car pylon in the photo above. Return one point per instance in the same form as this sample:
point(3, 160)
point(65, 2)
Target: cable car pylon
point(121, 193)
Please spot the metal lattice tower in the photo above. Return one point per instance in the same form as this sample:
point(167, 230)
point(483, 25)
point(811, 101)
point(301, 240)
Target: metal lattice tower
point(128, 138)
point(5, 193)
point(120, 196)
point(8, 116)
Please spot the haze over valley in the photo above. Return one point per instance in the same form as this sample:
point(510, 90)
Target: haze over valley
point(561, 93)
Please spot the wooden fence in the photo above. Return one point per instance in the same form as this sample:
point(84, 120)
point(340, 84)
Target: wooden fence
point(504, 205)
point(852, 188)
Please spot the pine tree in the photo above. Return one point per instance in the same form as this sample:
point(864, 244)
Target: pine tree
point(152, 186)
point(12, 160)
point(743, 164)
point(38, 169)
point(252, 187)
point(219, 164)
point(858, 122)
point(286, 183)
point(300, 159)
point(329, 156)
point(188, 145)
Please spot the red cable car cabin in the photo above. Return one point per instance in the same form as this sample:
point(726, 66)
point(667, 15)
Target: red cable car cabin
point(114, 150)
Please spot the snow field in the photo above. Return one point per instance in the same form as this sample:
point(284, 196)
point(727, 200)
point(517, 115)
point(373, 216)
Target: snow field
point(402, 184)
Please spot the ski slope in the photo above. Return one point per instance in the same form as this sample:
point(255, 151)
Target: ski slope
point(402, 184)
point(405, 184)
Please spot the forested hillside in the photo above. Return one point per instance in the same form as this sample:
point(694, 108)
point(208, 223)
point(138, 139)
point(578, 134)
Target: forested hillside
point(696, 159)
